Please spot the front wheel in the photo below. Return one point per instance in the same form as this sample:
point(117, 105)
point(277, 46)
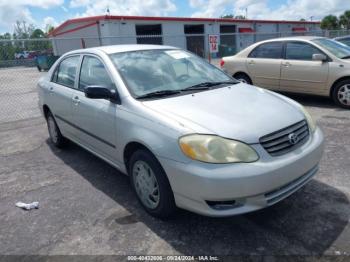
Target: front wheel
point(151, 184)
point(341, 94)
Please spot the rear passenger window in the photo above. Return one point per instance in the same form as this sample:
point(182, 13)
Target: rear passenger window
point(65, 74)
point(93, 73)
point(300, 51)
point(271, 50)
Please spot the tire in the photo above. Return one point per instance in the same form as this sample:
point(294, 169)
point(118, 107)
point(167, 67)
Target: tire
point(146, 176)
point(56, 137)
point(341, 94)
point(243, 78)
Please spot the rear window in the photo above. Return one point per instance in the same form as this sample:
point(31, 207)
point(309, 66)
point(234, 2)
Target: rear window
point(271, 50)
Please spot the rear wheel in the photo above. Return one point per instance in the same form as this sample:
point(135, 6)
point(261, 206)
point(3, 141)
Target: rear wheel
point(55, 134)
point(151, 184)
point(341, 94)
point(243, 78)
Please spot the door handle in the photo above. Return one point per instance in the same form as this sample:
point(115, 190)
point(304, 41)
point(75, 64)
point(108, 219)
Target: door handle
point(76, 100)
point(286, 64)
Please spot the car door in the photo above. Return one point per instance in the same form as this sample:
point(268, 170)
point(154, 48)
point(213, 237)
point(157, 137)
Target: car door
point(95, 119)
point(60, 91)
point(299, 73)
point(264, 64)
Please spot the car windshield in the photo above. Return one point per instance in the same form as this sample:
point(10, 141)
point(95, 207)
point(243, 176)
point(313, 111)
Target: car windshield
point(166, 71)
point(338, 49)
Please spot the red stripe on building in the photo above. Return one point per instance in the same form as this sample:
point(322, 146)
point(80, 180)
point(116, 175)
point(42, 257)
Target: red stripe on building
point(246, 30)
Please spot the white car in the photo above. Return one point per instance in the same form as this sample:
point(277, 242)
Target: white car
point(309, 64)
point(187, 134)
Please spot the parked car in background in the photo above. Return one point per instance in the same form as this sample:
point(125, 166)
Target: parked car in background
point(26, 55)
point(22, 55)
point(343, 39)
point(311, 65)
point(186, 133)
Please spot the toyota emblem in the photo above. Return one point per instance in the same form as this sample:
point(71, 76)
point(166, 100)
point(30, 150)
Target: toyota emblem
point(293, 138)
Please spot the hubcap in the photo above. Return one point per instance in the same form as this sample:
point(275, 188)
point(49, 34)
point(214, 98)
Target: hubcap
point(146, 184)
point(52, 129)
point(344, 95)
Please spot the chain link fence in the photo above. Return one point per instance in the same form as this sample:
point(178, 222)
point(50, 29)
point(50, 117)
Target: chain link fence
point(24, 61)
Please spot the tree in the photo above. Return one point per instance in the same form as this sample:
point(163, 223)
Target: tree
point(23, 30)
point(330, 22)
point(38, 33)
point(227, 16)
point(49, 29)
point(344, 20)
point(302, 20)
point(242, 17)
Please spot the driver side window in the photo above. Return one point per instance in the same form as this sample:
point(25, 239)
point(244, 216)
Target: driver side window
point(300, 51)
point(94, 73)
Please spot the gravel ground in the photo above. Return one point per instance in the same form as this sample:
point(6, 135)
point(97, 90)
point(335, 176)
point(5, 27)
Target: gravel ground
point(87, 207)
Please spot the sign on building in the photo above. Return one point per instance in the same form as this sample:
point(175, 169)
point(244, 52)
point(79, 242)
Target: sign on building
point(213, 43)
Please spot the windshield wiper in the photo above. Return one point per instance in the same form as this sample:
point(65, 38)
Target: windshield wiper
point(207, 85)
point(346, 57)
point(159, 93)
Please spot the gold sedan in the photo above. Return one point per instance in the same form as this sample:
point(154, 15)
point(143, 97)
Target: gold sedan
point(309, 64)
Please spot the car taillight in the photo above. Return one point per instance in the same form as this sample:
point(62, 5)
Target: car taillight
point(222, 62)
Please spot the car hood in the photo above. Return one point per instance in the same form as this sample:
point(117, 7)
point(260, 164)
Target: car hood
point(240, 112)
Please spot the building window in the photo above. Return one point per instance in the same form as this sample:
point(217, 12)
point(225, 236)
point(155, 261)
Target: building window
point(194, 29)
point(227, 29)
point(149, 34)
point(227, 45)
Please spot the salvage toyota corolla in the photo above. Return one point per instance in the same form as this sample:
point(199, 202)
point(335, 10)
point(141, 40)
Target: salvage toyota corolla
point(187, 134)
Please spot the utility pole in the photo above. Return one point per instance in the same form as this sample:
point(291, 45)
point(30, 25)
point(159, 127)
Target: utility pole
point(246, 13)
point(311, 18)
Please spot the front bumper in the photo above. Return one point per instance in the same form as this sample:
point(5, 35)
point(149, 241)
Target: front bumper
point(251, 186)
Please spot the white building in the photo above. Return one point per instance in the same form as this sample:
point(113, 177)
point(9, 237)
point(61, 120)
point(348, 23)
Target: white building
point(186, 33)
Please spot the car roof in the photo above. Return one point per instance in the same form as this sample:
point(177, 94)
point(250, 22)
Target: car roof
point(111, 49)
point(295, 38)
point(342, 37)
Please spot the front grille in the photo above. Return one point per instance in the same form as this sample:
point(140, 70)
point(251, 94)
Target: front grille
point(286, 139)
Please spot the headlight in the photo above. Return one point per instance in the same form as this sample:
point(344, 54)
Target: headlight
point(215, 149)
point(309, 119)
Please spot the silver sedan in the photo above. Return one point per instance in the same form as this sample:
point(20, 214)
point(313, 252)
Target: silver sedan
point(187, 134)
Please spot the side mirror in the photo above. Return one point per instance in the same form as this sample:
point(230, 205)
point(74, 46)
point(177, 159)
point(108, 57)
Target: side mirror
point(319, 57)
point(100, 92)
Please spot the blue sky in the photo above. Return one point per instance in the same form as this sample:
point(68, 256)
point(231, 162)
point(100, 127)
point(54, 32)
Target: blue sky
point(54, 12)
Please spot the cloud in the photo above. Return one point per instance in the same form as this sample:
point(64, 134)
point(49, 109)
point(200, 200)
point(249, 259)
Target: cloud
point(11, 11)
point(49, 20)
point(34, 3)
point(259, 9)
point(121, 7)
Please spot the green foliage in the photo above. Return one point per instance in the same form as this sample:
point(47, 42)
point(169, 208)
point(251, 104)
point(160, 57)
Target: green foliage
point(242, 17)
point(24, 38)
point(37, 33)
point(330, 22)
point(227, 16)
point(344, 20)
